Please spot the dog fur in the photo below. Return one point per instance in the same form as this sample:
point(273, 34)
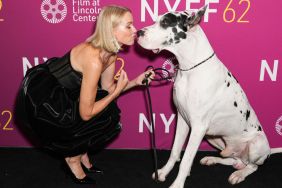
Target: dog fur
point(210, 102)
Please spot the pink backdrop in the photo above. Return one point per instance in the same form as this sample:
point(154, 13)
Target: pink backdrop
point(245, 34)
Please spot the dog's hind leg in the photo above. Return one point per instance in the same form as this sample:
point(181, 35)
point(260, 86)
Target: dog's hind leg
point(198, 130)
point(210, 160)
point(217, 142)
point(182, 130)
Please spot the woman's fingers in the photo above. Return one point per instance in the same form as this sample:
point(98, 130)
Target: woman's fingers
point(149, 74)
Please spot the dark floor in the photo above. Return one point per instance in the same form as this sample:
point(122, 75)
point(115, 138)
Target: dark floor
point(33, 168)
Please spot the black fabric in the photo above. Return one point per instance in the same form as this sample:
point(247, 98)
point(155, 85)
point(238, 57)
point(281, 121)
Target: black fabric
point(61, 69)
point(49, 105)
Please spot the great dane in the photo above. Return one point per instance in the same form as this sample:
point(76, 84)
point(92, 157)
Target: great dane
point(209, 100)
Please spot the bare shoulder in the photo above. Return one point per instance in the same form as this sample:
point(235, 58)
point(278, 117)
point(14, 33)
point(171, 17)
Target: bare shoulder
point(84, 56)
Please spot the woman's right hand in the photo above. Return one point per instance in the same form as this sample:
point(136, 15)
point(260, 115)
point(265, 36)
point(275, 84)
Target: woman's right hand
point(121, 83)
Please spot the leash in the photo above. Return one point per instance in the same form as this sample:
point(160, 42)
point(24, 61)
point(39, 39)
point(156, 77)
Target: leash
point(153, 137)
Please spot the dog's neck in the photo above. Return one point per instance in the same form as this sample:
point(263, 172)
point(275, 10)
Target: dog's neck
point(193, 50)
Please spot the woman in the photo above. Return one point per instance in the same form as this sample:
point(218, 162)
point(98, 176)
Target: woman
point(70, 101)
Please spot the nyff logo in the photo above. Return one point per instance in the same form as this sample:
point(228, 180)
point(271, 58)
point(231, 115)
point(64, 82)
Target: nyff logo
point(53, 11)
point(0, 10)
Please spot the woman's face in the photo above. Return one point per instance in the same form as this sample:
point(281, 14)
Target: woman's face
point(125, 32)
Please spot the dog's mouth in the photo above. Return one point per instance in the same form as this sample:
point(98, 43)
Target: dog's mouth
point(156, 50)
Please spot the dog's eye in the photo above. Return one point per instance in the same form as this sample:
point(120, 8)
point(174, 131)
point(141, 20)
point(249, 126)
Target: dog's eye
point(164, 23)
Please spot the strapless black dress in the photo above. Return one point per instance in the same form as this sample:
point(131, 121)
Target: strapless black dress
point(48, 103)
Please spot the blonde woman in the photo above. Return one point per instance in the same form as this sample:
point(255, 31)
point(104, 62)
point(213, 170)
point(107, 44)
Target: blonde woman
point(69, 102)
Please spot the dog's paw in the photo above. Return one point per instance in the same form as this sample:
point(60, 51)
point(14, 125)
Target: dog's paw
point(161, 175)
point(208, 161)
point(236, 177)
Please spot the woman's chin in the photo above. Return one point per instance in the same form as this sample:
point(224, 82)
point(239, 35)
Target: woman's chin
point(130, 43)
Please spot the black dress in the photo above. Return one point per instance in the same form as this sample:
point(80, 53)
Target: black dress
point(49, 105)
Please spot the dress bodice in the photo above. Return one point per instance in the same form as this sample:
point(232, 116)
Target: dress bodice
point(61, 68)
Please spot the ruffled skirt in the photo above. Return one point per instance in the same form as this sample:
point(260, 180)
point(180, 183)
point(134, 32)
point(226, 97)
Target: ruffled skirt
point(51, 111)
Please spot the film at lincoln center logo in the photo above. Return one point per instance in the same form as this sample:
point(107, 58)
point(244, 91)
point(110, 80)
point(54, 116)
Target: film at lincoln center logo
point(53, 11)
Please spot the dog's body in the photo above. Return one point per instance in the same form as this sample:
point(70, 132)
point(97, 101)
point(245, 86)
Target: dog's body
point(209, 101)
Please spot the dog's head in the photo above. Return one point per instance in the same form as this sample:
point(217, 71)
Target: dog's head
point(169, 29)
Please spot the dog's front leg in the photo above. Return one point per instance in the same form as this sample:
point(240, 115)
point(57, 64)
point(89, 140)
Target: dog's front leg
point(240, 175)
point(182, 130)
point(198, 131)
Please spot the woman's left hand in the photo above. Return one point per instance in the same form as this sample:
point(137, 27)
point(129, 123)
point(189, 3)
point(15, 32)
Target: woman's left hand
point(144, 75)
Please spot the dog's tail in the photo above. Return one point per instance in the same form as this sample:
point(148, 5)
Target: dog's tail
point(275, 150)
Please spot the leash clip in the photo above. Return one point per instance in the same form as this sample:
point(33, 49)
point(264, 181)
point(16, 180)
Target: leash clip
point(145, 80)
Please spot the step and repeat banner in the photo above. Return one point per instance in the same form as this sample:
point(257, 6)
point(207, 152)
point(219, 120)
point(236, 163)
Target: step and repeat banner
point(245, 34)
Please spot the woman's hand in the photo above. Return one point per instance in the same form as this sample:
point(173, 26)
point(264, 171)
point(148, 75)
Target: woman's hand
point(121, 83)
point(144, 75)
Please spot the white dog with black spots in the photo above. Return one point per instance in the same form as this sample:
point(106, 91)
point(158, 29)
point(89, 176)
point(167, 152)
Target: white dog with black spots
point(210, 102)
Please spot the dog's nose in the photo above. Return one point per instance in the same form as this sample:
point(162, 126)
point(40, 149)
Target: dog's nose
point(140, 33)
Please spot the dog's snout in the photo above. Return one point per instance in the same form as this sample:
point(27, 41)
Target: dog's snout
point(140, 33)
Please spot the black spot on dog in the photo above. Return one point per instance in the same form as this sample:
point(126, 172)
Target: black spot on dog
point(181, 35)
point(165, 43)
point(248, 115)
point(182, 22)
point(229, 74)
point(241, 111)
point(228, 84)
point(235, 104)
point(245, 130)
point(172, 20)
point(174, 30)
point(168, 20)
point(168, 42)
point(259, 128)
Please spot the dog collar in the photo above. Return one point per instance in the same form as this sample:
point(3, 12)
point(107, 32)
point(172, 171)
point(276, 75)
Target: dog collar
point(197, 64)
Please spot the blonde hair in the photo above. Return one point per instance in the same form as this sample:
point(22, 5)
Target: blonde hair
point(108, 19)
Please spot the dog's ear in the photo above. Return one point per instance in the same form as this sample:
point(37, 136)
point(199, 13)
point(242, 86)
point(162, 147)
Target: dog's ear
point(195, 18)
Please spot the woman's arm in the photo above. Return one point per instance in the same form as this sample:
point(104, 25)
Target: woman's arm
point(88, 107)
point(138, 80)
point(89, 85)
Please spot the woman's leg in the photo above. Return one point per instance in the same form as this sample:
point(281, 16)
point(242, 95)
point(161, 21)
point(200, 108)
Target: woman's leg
point(75, 166)
point(85, 160)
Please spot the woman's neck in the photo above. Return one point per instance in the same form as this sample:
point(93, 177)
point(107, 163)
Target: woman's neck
point(105, 55)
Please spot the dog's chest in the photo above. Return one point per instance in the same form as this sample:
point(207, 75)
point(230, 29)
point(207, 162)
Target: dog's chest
point(190, 91)
point(182, 94)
